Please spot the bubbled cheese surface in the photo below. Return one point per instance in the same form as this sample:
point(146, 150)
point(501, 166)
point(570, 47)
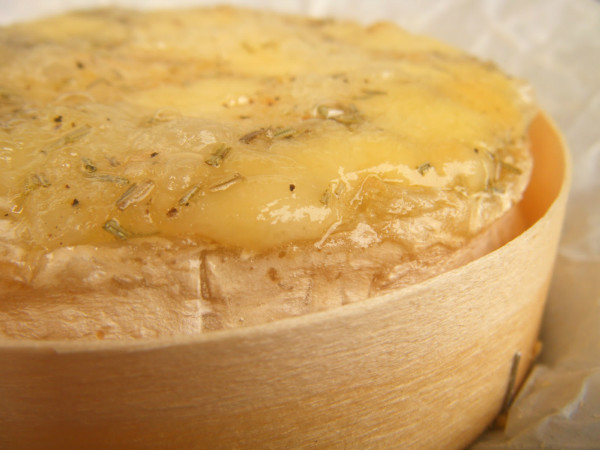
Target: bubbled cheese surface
point(250, 130)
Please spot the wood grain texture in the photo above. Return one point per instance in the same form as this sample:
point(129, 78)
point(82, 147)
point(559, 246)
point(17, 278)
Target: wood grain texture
point(423, 368)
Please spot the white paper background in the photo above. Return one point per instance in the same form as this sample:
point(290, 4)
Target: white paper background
point(555, 44)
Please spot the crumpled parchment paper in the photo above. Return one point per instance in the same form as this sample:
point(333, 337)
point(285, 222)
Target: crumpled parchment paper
point(555, 44)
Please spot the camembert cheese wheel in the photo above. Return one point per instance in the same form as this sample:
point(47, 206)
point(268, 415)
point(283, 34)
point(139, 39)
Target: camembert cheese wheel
point(175, 172)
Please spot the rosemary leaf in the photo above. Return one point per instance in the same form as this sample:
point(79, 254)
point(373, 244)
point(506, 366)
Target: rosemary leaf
point(424, 168)
point(76, 134)
point(88, 164)
point(36, 180)
point(371, 92)
point(249, 137)
point(347, 115)
point(106, 177)
point(114, 227)
point(510, 167)
point(136, 193)
point(226, 183)
point(284, 133)
point(326, 196)
point(218, 155)
point(185, 200)
point(67, 139)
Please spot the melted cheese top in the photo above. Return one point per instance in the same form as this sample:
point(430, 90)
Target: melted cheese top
point(251, 130)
